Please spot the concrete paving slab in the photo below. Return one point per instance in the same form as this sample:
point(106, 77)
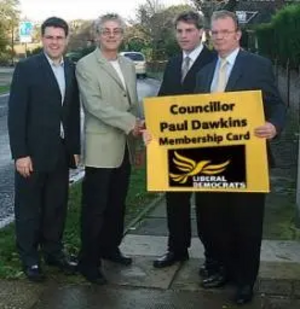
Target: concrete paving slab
point(19, 294)
point(160, 210)
point(157, 227)
point(140, 274)
point(127, 298)
point(277, 303)
point(188, 279)
point(147, 245)
point(272, 250)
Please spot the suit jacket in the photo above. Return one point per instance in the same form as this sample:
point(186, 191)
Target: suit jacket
point(109, 109)
point(172, 85)
point(250, 72)
point(36, 112)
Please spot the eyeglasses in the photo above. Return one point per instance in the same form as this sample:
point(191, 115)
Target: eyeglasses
point(222, 33)
point(115, 32)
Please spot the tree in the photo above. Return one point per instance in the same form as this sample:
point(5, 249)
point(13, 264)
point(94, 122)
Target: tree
point(209, 6)
point(155, 23)
point(81, 34)
point(9, 18)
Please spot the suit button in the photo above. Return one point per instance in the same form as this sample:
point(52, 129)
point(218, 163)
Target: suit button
point(124, 95)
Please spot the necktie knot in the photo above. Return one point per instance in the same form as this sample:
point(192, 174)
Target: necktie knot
point(223, 63)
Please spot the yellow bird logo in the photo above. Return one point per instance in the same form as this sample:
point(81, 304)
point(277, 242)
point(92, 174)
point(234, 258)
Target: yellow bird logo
point(192, 168)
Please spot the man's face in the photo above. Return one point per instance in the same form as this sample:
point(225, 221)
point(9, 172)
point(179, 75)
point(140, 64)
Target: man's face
point(188, 36)
point(110, 36)
point(225, 36)
point(54, 42)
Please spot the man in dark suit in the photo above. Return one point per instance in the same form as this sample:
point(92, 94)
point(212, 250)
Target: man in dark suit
point(44, 132)
point(233, 228)
point(180, 78)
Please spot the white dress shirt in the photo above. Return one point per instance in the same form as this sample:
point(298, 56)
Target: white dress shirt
point(230, 63)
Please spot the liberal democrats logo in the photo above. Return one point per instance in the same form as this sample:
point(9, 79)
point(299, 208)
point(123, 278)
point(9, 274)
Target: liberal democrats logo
point(209, 167)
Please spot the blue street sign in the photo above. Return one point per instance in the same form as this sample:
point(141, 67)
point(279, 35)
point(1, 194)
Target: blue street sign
point(25, 31)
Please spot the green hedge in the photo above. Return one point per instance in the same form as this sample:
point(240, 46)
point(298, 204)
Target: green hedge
point(280, 39)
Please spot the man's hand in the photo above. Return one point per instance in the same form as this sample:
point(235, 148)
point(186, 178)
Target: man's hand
point(139, 126)
point(268, 131)
point(24, 166)
point(77, 159)
point(147, 137)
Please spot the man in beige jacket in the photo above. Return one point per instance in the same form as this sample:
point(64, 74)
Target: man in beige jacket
point(107, 84)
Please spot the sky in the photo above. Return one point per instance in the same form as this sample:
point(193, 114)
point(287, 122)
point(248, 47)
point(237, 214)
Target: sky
point(39, 10)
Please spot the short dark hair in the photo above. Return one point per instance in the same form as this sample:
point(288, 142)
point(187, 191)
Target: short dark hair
point(55, 22)
point(190, 17)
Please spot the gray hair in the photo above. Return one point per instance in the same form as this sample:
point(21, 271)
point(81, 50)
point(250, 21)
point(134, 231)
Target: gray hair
point(225, 14)
point(98, 25)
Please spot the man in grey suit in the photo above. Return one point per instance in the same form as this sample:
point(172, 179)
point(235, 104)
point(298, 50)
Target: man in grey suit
point(107, 84)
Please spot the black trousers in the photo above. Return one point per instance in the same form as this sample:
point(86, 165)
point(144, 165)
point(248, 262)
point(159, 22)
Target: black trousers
point(104, 192)
point(179, 221)
point(232, 225)
point(40, 211)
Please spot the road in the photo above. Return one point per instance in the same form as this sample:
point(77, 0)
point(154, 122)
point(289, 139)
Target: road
point(146, 88)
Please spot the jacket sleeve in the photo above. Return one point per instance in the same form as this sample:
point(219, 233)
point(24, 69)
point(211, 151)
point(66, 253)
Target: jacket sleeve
point(164, 88)
point(99, 108)
point(275, 109)
point(74, 120)
point(18, 105)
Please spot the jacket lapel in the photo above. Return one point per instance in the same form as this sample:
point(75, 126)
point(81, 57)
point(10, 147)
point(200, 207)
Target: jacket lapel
point(236, 72)
point(50, 78)
point(106, 66)
point(128, 79)
point(210, 70)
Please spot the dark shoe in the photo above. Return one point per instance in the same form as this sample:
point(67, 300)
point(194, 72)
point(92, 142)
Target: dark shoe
point(216, 280)
point(208, 269)
point(117, 257)
point(169, 259)
point(244, 295)
point(93, 275)
point(34, 273)
point(68, 265)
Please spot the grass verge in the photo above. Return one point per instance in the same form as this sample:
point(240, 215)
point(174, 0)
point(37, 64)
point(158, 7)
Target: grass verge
point(4, 89)
point(137, 199)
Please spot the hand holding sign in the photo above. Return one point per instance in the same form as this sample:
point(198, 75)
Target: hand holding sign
point(268, 131)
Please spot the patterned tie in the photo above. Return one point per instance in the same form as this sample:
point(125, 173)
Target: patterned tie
point(221, 78)
point(185, 67)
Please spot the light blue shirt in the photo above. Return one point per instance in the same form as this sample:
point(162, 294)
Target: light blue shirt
point(59, 73)
point(230, 63)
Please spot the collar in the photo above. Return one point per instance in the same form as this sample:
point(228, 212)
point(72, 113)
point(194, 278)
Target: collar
point(194, 53)
point(231, 57)
point(52, 64)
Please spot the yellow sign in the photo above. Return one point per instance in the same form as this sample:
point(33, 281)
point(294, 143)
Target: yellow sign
point(206, 143)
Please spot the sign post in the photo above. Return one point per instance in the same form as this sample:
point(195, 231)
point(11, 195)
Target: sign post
point(25, 33)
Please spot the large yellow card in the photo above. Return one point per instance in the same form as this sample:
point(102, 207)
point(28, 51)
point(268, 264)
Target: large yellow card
point(206, 143)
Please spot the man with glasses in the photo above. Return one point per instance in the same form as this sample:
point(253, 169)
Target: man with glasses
point(180, 78)
point(107, 85)
point(44, 133)
point(235, 220)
